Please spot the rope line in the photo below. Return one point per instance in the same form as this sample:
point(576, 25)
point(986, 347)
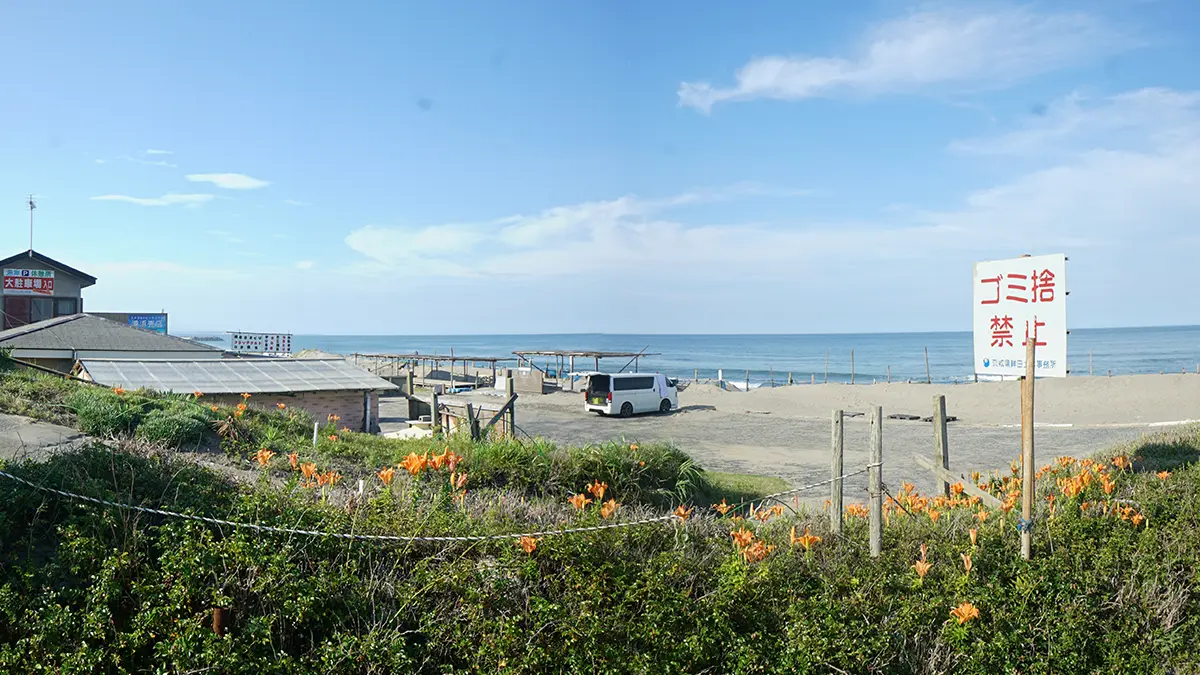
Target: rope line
point(810, 486)
point(382, 537)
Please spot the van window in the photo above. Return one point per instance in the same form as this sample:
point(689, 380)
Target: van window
point(632, 383)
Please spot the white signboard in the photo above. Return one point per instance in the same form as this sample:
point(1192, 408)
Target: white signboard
point(261, 343)
point(1015, 299)
point(28, 282)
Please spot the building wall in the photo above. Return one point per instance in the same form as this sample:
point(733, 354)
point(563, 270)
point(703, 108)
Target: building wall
point(65, 286)
point(348, 405)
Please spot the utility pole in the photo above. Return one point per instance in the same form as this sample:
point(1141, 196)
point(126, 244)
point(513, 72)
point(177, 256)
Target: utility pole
point(32, 206)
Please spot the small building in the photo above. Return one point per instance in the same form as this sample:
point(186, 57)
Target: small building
point(38, 287)
point(322, 387)
point(60, 342)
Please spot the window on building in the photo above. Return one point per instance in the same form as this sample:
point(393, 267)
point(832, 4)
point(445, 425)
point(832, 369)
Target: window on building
point(41, 309)
point(65, 306)
point(16, 311)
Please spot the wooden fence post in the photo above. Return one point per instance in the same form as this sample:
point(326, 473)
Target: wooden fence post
point(928, 377)
point(790, 383)
point(696, 375)
point(835, 488)
point(435, 418)
point(851, 366)
point(509, 389)
point(1030, 479)
point(747, 379)
point(876, 482)
point(889, 374)
point(826, 366)
point(941, 450)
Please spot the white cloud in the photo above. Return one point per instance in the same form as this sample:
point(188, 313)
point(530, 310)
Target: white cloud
point(304, 265)
point(229, 181)
point(1154, 116)
point(171, 199)
point(101, 161)
point(159, 152)
point(965, 48)
point(147, 162)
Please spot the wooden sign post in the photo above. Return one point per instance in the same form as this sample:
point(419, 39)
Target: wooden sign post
point(1029, 479)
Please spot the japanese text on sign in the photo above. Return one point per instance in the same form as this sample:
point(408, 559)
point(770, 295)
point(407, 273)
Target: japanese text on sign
point(28, 282)
point(1015, 300)
point(261, 343)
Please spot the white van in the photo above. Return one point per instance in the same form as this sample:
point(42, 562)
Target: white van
point(627, 393)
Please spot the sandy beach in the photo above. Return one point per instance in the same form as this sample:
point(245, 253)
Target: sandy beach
point(785, 431)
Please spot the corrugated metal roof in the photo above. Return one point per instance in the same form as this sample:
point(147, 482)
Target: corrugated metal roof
point(84, 332)
point(234, 376)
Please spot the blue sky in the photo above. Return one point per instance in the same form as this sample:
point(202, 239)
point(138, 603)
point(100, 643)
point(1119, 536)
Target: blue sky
point(515, 167)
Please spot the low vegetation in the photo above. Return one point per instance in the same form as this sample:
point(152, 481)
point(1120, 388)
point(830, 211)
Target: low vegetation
point(1113, 585)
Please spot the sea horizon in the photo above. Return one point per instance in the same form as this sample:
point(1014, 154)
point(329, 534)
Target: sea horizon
point(766, 359)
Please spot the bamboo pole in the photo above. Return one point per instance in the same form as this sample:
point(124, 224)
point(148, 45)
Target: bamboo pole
point(928, 377)
point(835, 468)
point(876, 482)
point(1027, 460)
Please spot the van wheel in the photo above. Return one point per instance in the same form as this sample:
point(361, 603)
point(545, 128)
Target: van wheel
point(665, 406)
point(627, 410)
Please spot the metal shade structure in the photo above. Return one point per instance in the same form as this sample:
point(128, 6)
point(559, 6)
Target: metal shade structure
point(232, 376)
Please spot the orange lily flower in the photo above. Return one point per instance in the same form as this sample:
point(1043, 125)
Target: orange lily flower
point(527, 544)
point(859, 510)
point(633, 447)
point(597, 489)
point(1137, 519)
point(974, 535)
point(332, 477)
point(308, 470)
point(213, 408)
point(966, 558)
point(965, 612)
point(907, 487)
point(722, 508)
point(241, 407)
point(460, 481)
point(579, 501)
point(806, 540)
point(197, 394)
point(386, 475)
point(239, 413)
point(742, 537)
point(119, 391)
point(281, 406)
point(1163, 475)
point(934, 515)
point(1121, 462)
point(334, 418)
point(981, 516)
point(757, 551)
point(263, 456)
point(333, 437)
point(293, 458)
point(245, 396)
point(452, 459)
point(607, 509)
point(956, 489)
point(681, 514)
point(922, 568)
point(414, 464)
point(436, 461)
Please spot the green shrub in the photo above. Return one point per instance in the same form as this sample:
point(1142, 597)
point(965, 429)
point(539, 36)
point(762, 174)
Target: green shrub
point(172, 429)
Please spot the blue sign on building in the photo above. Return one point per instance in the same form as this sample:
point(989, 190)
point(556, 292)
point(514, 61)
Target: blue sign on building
point(154, 322)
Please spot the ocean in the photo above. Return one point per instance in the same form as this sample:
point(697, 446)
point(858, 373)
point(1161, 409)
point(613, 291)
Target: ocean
point(769, 358)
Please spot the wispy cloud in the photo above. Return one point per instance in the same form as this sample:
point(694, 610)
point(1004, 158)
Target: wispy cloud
point(171, 199)
point(960, 47)
point(1153, 115)
point(229, 181)
point(304, 265)
point(147, 162)
point(626, 230)
point(159, 152)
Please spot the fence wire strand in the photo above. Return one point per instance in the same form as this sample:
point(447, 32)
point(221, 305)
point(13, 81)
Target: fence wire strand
point(380, 537)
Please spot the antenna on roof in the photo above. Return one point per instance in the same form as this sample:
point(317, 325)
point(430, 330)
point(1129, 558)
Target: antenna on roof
point(32, 206)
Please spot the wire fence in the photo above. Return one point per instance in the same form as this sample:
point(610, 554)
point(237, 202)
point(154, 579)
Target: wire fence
point(390, 537)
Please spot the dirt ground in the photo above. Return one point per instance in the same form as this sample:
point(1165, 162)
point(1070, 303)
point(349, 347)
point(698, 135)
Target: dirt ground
point(787, 433)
